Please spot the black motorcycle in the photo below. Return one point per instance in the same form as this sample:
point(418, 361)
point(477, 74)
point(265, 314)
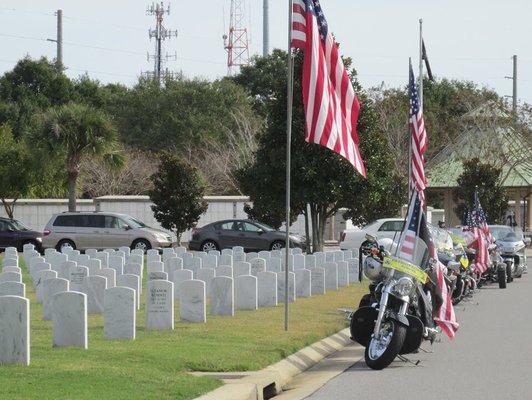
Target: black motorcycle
point(396, 316)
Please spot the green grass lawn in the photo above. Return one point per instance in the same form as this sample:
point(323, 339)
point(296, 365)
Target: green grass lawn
point(155, 365)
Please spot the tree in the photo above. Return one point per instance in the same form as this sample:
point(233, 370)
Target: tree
point(99, 179)
point(444, 103)
point(177, 194)
point(31, 87)
point(322, 181)
point(74, 132)
point(17, 172)
point(487, 180)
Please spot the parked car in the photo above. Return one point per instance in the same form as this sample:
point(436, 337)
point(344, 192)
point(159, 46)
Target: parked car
point(14, 233)
point(382, 228)
point(99, 230)
point(251, 235)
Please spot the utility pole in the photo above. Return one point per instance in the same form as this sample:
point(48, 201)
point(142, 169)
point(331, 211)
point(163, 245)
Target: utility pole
point(265, 28)
point(514, 84)
point(160, 33)
point(59, 41)
point(514, 91)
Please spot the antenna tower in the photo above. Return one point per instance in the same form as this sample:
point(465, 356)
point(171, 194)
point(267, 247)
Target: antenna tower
point(236, 43)
point(160, 33)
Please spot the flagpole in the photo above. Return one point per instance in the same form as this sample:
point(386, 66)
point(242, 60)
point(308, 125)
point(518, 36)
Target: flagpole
point(289, 101)
point(420, 64)
point(409, 142)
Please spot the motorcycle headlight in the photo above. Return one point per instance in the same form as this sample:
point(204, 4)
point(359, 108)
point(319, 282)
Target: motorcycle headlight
point(372, 268)
point(404, 286)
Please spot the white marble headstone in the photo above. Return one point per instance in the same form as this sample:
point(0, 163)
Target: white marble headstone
point(222, 296)
point(303, 282)
point(343, 273)
point(246, 292)
point(317, 277)
point(155, 266)
point(16, 270)
point(281, 287)
point(267, 289)
point(14, 330)
point(133, 282)
point(110, 275)
point(241, 268)
point(224, 270)
point(257, 265)
point(206, 275)
point(49, 288)
point(331, 275)
point(94, 287)
point(353, 268)
point(179, 276)
point(160, 305)
point(69, 317)
point(192, 301)
point(63, 269)
point(10, 277)
point(77, 274)
point(40, 277)
point(12, 289)
point(116, 263)
point(161, 275)
point(119, 313)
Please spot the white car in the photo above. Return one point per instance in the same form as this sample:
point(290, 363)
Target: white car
point(382, 228)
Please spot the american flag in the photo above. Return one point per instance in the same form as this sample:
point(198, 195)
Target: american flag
point(482, 219)
point(445, 316)
point(416, 227)
point(331, 105)
point(477, 224)
point(418, 180)
point(410, 232)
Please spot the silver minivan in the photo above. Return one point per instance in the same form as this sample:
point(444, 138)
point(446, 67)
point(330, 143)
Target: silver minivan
point(101, 230)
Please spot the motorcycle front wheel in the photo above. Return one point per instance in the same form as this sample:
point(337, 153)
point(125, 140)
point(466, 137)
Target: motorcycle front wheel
point(509, 277)
point(381, 352)
point(501, 273)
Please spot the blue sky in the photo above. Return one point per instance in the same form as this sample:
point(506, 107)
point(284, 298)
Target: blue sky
point(470, 39)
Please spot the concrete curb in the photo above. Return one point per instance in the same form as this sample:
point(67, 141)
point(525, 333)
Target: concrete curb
point(270, 381)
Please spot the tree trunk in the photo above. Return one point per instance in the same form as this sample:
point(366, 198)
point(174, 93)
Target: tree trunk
point(318, 216)
point(9, 207)
point(307, 231)
point(72, 183)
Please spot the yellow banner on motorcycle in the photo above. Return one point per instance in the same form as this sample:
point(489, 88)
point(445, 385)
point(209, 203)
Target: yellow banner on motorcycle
point(405, 267)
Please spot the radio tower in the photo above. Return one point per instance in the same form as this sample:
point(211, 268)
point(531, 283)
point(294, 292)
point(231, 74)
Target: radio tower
point(160, 33)
point(237, 43)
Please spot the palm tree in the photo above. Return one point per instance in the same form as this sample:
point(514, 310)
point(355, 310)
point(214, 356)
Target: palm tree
point(75, 131)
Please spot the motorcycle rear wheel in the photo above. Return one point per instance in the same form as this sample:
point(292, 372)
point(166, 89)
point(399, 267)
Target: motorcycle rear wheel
point(380, 353)
point(501, 275)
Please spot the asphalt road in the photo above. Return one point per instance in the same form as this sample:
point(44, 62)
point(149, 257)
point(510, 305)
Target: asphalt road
point(490, 358)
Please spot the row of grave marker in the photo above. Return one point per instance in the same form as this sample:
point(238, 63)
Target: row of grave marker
point(70, 291)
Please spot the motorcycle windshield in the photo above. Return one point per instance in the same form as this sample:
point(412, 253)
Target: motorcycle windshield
point(421, 254)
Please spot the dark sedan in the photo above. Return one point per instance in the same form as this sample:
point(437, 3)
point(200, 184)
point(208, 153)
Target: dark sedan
point(251, 235)
point(14, 233)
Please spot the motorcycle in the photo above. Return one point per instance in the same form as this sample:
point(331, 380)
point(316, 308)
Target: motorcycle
point(512, 250)
point(498, 268)
point(396, 316)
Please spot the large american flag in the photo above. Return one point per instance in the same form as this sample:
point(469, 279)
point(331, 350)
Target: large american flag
point(331, 105)
point(408, 238)
point(418, 180)
point(477, 224)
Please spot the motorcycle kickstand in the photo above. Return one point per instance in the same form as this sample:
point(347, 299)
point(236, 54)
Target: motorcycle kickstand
point(407, 360)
